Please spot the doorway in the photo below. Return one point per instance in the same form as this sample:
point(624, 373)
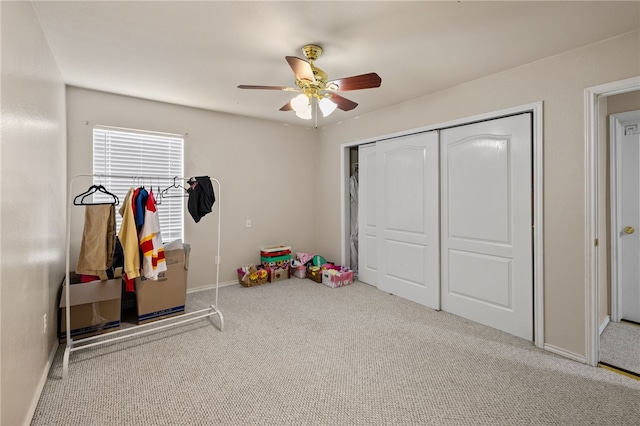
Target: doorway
point(620, 337)
point(624, 148)
point(597, 209)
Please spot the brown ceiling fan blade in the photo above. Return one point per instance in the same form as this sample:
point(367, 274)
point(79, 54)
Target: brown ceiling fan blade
point(343, 103)
point(301, 68)
point(287, 107)
point(245, 86)
point(357, 82)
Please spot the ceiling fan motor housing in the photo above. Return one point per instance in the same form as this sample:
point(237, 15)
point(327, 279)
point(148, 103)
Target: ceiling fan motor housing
point(312, 51)
point(311, 88)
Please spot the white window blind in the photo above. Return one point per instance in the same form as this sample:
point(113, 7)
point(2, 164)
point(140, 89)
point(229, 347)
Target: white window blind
point(128, 153)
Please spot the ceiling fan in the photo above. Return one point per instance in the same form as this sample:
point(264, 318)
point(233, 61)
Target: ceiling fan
point(315, 89)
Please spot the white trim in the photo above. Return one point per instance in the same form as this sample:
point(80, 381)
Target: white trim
point(538, 215)
point(591, 208)
point(604, 324)
point(591, 96)
point(538, 267)
point(567, 354)
point(535, 106)
point(616, 123)
point(614, 172)
point(143, 132)
point(41, 383)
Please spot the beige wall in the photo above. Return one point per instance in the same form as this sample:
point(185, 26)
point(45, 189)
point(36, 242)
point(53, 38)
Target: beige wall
point(624, 102)
point(559, 82)
point(267, 171)
point(33, 174)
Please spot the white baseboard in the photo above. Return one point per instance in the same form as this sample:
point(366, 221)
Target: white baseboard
point(211, 286)
point(604, 324)
point(41, 383)
point(567, 354)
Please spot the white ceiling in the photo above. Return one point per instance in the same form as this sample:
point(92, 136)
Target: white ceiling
point(196, 53)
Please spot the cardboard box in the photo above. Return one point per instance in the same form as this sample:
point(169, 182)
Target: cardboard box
point(167, 296)
point(95, 308)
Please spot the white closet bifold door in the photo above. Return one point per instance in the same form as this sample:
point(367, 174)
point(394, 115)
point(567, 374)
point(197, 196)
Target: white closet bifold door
point(407, 217)
point(367, 217)
point(486, 219)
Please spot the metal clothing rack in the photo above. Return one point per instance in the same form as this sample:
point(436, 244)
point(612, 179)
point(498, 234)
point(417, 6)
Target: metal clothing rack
point(77, 345)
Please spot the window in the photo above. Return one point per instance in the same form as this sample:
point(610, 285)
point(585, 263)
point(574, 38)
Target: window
point(127, 153)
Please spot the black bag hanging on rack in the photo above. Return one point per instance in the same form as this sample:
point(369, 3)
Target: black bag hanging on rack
point(201, 197)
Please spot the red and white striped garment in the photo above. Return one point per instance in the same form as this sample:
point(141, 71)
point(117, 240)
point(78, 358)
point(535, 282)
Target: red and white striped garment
point(153, 261)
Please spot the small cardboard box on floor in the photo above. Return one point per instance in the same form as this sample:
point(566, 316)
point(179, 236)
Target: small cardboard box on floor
point(167, 296)
point(95, 307)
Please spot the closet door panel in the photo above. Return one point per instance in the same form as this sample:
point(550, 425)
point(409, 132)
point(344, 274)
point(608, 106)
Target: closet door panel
point(367, 215)
point(486, 201)
point(408, 234)
point(486, 194)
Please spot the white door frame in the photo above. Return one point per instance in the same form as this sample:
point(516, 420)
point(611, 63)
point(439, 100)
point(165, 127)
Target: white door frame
point(538, 241)
point(591, 113)
point(615, 135)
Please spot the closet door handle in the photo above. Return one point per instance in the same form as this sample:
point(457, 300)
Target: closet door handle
point(629, 230)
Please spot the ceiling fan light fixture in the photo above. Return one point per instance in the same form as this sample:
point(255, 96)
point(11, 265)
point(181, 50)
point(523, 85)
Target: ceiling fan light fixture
point(327, 106)
point(305, 115)
point(302, 106)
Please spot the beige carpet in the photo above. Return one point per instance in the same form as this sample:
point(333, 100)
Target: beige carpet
point(620, 346)
point(299, 353)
